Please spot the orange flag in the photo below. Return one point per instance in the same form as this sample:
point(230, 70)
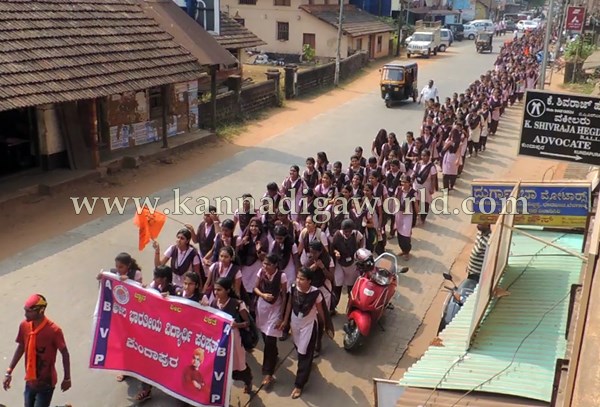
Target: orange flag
point(149, 225)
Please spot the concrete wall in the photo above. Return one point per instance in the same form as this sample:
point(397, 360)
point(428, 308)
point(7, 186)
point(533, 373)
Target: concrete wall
point(362, 44)
point(481, 12)
point(262, 20)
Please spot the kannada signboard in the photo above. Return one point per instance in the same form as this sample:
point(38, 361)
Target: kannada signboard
point(171, 343)
point(563, 127)
point(555, 204)
point(575, 18)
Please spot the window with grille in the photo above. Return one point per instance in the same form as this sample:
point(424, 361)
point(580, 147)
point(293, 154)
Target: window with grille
point(283, 31)
point(250, 2)
point(379, 43)
point(282, 2)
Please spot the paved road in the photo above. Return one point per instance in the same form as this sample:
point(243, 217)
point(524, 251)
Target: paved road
point(64, 268)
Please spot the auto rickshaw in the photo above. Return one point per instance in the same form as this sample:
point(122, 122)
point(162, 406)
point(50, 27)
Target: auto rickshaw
point(483, 42)
point(399, 82)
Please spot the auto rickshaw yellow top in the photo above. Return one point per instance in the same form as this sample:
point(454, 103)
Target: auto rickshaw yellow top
point(395, 72)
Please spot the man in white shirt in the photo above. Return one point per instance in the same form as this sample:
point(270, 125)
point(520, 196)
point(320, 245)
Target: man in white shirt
point(429, 92)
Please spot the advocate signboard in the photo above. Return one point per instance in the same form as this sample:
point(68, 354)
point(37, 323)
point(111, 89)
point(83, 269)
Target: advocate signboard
point(561, 127)
point(575, 18)
point(555, 204)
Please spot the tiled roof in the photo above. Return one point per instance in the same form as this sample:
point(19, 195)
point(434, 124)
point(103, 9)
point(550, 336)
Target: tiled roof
point(518, 342)
point(356, 22)
point(187, 32)
point(236, 36)
point(54, 51)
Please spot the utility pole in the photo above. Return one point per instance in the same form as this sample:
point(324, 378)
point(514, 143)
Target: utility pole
point(338, 56)
point(561, 24)
point(542, 79)
point(399, 29)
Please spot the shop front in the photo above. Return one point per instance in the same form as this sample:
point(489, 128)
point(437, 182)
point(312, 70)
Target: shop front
point(19, 147)
point(133, 119)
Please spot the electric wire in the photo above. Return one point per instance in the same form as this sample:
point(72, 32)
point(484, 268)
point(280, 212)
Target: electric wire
point(462, 357)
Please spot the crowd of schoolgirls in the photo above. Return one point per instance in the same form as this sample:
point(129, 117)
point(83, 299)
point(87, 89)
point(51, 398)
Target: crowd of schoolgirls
point(284, 271)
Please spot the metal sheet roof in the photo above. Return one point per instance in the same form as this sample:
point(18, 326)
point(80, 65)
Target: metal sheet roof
point(506, 357)
point(447, 398)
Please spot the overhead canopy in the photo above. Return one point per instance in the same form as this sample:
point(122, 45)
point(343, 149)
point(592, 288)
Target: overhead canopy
point(187, 32)
point(54, 51)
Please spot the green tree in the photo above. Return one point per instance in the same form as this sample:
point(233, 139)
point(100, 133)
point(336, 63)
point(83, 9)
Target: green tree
point(578, 51)
point(308, 53)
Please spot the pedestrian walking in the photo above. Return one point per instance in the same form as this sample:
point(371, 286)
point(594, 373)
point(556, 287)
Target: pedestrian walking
point(184, 257)
point(323, 267)
point(405, 215)
point(224, 268)
point(205, 235)
point(251, 249)
point(425, 183)
point(271, 293)
point(243, 216)
point(451, 159)
point(304, 311)
point(226, 300)
point(39, 339)
point(345, 243)
point(429, 92)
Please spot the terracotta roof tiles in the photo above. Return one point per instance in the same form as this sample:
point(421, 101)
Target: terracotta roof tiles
point(53, 51)
point(235, 36)
point(356, 21)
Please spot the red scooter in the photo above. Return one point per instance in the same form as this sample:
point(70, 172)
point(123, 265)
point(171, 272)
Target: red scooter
point(371, 295)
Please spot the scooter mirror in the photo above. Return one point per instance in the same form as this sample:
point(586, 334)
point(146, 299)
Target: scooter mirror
point(447, 276)
point(403, 270)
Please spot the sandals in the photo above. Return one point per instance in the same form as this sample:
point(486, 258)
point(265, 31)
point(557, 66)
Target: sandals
point(296, 393)
point(143, 395)
point(267, 381)
point(120, 378)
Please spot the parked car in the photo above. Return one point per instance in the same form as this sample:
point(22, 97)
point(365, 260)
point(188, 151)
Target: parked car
point(526, 25)
point(483, 25)
point(445, 39)
point(470, 31)
point(510, 25)
point(458, 31)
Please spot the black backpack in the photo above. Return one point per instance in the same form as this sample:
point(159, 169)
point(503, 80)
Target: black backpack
point(249, 335)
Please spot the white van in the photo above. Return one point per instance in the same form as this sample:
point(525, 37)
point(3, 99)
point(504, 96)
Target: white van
point(483, 25)
point(445, 39)
point(470, 31)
